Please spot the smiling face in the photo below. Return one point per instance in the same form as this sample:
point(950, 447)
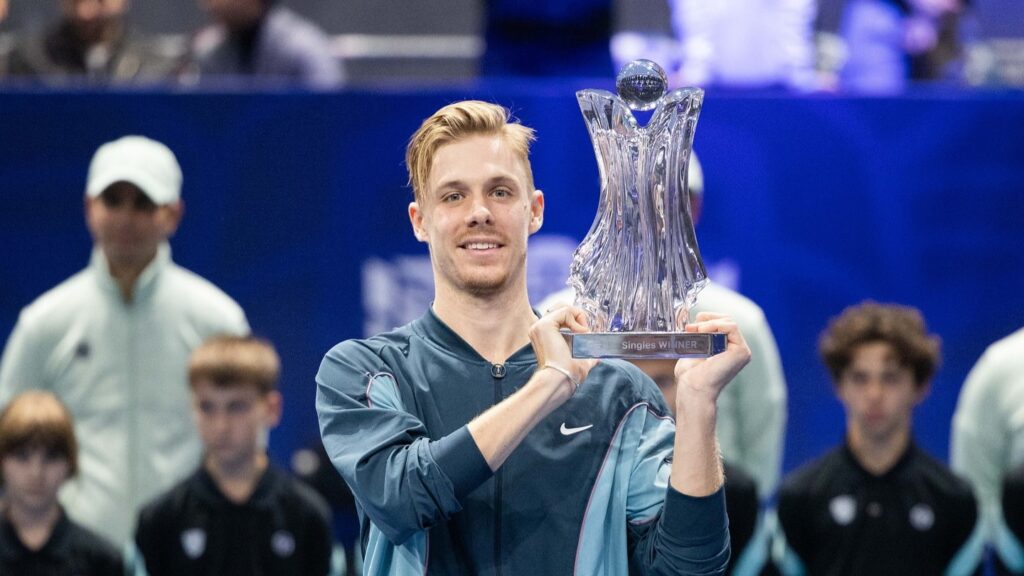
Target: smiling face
point(475, 213)
point(878, 393)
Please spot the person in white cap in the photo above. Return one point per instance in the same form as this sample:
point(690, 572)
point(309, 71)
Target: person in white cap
point(113, 341)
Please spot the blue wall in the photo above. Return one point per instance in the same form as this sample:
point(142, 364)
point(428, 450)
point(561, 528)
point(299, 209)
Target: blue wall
point(815, 202)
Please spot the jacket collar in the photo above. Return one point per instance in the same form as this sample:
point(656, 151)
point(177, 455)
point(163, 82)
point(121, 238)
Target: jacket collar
point(900, 464)
point(143, 284)
point(207, 490)
point(435, 330)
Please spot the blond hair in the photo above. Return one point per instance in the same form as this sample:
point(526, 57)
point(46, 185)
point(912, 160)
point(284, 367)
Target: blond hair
point(37, 419)
point(457, 121)
point(230, 361)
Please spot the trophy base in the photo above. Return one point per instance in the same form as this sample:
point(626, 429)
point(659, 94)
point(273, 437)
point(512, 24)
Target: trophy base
point(645, 345)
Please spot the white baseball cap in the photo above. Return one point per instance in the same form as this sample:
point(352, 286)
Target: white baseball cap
point(146, 163)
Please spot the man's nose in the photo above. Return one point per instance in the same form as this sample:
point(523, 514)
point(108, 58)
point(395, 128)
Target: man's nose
point(219, 423)
point(875, 389)
point(479, 212)
point(36, 467)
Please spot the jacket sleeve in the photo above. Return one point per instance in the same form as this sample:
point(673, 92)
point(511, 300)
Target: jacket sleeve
point(668, 531)
point(691, 537)
point(404, 481)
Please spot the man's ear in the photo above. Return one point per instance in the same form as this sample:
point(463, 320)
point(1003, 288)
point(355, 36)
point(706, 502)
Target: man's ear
point(275, 406)
point(172, 216)
point(87, 203)
point(416, 219)
point(536, 211)
point(922, 392)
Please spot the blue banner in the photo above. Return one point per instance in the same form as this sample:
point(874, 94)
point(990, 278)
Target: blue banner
point(296, 207)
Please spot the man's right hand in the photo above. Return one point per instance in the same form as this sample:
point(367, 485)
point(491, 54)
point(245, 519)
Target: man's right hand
point(549, 343)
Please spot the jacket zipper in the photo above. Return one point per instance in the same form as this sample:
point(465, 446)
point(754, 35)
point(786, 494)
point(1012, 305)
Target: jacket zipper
point(497, 373)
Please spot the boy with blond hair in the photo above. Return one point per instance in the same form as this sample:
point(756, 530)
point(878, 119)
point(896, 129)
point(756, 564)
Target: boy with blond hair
point(238, 513)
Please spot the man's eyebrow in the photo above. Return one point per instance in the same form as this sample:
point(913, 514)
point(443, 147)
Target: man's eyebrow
point(451, 183)
point(502, 179)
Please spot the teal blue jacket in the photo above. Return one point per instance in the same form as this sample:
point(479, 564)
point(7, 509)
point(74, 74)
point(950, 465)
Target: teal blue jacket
point(585, 493)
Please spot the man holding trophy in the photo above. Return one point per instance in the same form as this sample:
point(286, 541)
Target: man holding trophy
point(476, 442)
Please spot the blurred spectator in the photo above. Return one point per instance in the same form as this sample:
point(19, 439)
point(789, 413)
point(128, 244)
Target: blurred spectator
point(91, 41)
point(544, 38)
point(237, 513)
point(112, 342)
point(995, 50)
point(259, 39)
point(745, 43)
point(988, 434)
point(38, 453)
point(888, 43)
point(878, 504)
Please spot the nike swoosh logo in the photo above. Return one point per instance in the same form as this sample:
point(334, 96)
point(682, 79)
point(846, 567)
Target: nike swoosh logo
point(566, 431)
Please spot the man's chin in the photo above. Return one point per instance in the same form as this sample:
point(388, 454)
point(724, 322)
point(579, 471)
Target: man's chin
point(483, 288)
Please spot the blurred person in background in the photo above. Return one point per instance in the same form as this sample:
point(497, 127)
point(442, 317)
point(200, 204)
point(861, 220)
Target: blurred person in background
point(38, 454)
point(745, 43)
point(262, 40)
point(91, 41)
point(113, 341)
point(237, 514)
point(878, 504)
point(887, 44)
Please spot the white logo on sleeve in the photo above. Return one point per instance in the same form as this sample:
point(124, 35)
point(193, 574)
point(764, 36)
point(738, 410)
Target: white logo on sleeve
point(843, 509)
point(193, 542)
point(566, 431)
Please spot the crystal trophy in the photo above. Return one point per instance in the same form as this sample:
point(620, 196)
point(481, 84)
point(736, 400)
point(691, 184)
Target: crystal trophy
point(638, 271)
